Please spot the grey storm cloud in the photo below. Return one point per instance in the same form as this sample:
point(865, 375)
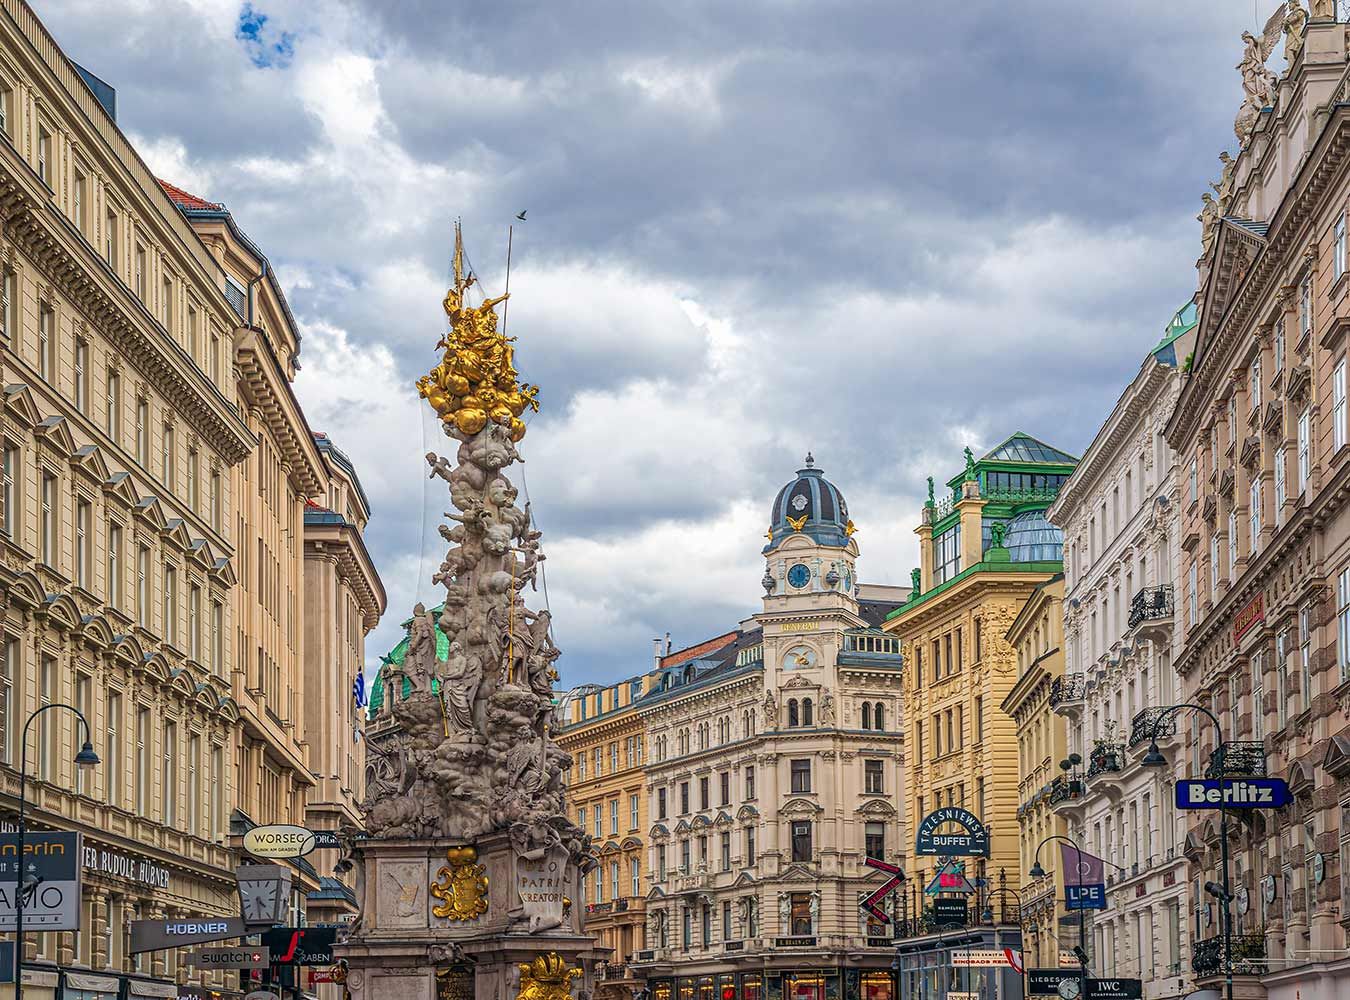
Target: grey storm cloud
point(876, 230)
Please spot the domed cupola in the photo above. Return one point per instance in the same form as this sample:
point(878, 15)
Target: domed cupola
point(1032, 538)
point(810, 505)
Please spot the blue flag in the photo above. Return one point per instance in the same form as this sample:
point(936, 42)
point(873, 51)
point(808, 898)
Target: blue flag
point(359, 690)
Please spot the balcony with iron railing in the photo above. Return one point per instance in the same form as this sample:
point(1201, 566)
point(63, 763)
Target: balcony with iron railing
point(1237, 759)
point(1249, 956)
point(1144, 728)
point(1066, 692)
point(1152, 605)
point(1065, 790)
point(1105, 757)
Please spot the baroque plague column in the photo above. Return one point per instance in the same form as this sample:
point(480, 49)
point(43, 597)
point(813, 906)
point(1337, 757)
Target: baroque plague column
point(467, 881)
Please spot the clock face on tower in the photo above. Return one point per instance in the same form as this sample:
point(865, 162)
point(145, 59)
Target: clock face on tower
point(799, 575)
point(799, 658)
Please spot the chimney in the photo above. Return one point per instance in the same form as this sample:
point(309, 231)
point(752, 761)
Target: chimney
point(656, 652)
point(667, 643)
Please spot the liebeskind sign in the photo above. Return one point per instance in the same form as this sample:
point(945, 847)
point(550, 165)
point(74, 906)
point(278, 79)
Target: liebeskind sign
point(279, 841)
point(1232, 793)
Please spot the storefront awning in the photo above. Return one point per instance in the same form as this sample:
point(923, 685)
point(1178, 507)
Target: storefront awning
point(143, 988)
point(93, 984)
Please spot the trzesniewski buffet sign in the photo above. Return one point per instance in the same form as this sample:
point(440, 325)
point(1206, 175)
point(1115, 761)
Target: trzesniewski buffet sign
point(972, 840)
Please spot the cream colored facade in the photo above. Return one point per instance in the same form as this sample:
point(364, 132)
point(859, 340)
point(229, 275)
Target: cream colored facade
point(1037, 636)
point(115, 573)
point(606, 787)
point(1120, 514)
point(775, 768)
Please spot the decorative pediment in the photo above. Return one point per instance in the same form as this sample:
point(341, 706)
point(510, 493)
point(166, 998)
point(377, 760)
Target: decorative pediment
point(876, 807)
point(128, 649)
point(89, 460)
point(682, 826)
point(223, 573)
point(1301, 781)
point(1250, 456)
point(60, 611)
point(1227, 481)
point(799, 807)
point(658, 833)
point(1193, 847)
point(95, 632)
point(1337, 760)
point(228, 709)
point(722, 820)
point(151, 511)
point(181, 680)
point(798, 681)
point(701, 823)
point(19, 404)
point(798, 873)
point(55, 432)
point(631, 844)
point(1210, 507)
point(200, 551)
point(176, 534)
point(156, 665)
point(656, 892)
point(1299, 378)
point(747, 812)
point(746, 877)
point(27, 590)
point(610, 848)
point(1273, 418)
point(207, 696)
point(118, 486)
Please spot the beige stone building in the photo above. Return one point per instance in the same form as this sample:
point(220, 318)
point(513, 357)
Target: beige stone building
point(1037, 636)
point(1260, 431)
point(117, 564)
point(775, 762)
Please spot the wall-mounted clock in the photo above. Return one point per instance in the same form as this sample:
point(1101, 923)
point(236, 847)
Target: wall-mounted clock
point(799, 575)
point(799, 658)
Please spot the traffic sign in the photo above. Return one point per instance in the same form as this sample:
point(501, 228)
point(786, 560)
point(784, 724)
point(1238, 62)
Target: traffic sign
point(1115, 989)
point(1232, 793)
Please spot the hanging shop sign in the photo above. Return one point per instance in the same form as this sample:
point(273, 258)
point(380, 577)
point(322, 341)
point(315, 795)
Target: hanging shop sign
point(1046, 982)
point(279, 841)
point(230, 958)
point(326, 839)
point(153, 935)
point(973, 841)
point(950, 911)
point(872, 903)
point(1253, 614)
point(986, 958)
point(1232, 793)
point(300, 945)
point(51, 866)
point(1084, 878)
point(1115, 989)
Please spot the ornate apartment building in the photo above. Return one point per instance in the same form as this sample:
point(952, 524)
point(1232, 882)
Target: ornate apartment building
point(1120, 515)
point(984, 549)
point(775, 762)
point(607, 787)
point(1260, 431)
point(1037, 636)
point(117, 561)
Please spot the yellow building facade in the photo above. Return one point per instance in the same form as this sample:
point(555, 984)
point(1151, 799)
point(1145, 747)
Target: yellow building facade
point(604, 734)
point(1037, 636)
point(985, 548)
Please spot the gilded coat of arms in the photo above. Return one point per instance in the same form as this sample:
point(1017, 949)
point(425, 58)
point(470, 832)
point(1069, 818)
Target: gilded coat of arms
point(461, 886)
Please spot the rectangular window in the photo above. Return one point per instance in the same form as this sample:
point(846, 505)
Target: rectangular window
point(801, 776)
point(9, 663)
point(613, 817)
point(9, 306)
point(138, 272)
point(1303, 437)
point(1254, 514)
point(749, 846)
point(195, 623)
point(143, 586)
point(217, 637)
point(1254, 386)
point(192, 490)
point(1305, 657)
point(214, 360)
point(613, 880)
point(1339, 246)
point(81, 375)
point(947, 554)
point(1305, 306)
point(873, 777)
point(661, 862)
point(46, 732)
point(110, 237)
point(192, 345)
point(46, 343)
point(1343, 623)
point(1280, 489)
point(1258, 696)
point(6, 106)
point(170, 604)
point(632, 812)
point(84, 541)
point(217, 502)
point(686, 851)
point(47, 527)
point(143, 433)
point(874, 839)
point(9, 490)
point(1279, 344)
point(217, 791)
point(725, 846)
point(114, 558)
point(1192, 600)
point(635, 876)
point(801, 840)
point(1338, 407)
point(111, 765)
point(77, 193)
point(704, 800)
point(597, 822)
point(750, 782)
point(194, 785)
point(44, 155)
point(142, 759)
point(684, 798)
point(169, 778)
point(166, 462)
point(112, 415)
point(724, 788)
point(1214, 567)
point(1193, 482)
point(660, 803)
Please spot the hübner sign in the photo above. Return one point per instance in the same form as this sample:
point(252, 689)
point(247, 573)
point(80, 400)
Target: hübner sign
point(125, 866)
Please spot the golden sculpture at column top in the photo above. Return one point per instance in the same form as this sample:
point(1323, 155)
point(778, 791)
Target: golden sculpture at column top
point(546, 978)
point(462, 886)
point(475, 382)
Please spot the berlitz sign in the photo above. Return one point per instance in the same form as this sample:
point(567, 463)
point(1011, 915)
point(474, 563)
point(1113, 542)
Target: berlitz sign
point(279, 841)
point(973, 842)
point(1233, 793)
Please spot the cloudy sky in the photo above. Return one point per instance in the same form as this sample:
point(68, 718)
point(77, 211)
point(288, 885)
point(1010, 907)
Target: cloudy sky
point(879, 230)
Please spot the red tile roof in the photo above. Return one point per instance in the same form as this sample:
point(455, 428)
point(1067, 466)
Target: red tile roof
point(188, 201)
point(693, 652)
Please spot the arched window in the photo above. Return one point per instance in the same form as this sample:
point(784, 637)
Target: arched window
point(806, 712)
point(879, 717)
point(867, 715)
point(793, 720)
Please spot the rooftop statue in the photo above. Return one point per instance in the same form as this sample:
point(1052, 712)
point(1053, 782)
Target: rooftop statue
point(1258, 82)
point(1295, 21)
point(474, 754)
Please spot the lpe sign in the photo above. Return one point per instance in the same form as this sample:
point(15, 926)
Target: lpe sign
point(1233, 793)
point(51, 876)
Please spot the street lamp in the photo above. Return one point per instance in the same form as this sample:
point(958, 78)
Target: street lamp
point(85, 760)
point(1037, 872)
point(1154, 758)
point(988, 915)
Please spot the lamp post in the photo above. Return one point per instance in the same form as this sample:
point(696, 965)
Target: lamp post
point(941, 941)
point(988, 915)
point(1224, 893)
point(1038, 872)
point(85, 759)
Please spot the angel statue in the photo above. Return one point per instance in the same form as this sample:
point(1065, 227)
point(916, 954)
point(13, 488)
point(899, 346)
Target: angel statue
point(1258, 83)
